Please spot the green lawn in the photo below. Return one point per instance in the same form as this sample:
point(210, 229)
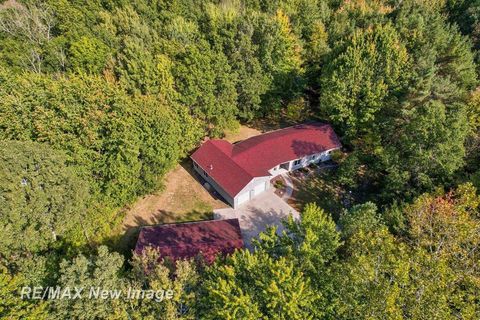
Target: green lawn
point(320, 188)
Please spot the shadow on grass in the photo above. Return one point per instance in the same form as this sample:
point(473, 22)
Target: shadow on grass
point(188, 166)
point(320, 188)
point(126, 241)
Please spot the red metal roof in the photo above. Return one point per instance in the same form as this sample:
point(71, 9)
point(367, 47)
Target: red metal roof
point(188, 240)
point(234, 166)
point(212, 157)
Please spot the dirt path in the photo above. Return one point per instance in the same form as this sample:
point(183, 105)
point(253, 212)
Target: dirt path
point(183, 199)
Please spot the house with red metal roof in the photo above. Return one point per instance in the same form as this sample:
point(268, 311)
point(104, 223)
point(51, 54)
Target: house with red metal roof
point(241, 171)
point(207, 239)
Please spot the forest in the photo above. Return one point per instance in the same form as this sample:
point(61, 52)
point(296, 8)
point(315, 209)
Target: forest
point(99, 99)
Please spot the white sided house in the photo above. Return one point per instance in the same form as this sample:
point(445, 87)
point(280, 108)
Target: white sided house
point(241, 171)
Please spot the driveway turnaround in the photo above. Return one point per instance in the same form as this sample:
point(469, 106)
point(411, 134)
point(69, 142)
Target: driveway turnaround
point(254, 216)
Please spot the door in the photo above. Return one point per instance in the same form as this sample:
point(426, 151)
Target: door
point(259, 189)
point(243, 197)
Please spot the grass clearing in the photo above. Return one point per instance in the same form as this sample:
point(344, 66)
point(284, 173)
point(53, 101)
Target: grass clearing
point(182, 199)
point(242, 133)
point(320, 188)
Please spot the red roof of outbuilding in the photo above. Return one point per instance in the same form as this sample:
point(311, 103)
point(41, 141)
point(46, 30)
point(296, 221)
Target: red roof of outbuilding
point(187, 240)
point(234, 166)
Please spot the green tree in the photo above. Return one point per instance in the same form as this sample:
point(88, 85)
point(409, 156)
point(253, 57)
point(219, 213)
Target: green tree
point(316, 50)
point(149, 271)
point(388, 81)
point(230, 29)
point(100, 128)
point(252, 286)
point(372, 276)
point(443, 230)
point(88, 55)
point(33, 24)
point(373, 268)
point(42, 200)
point(280, 53)
point(363, 79)
point(101, 270)
point(315, 239)
point(351, 16)
point(466, 14)
point(120, 145)
point(203, 80)
point(143, 72)
point(434, 106)
point(12, 306)
point(361, 217)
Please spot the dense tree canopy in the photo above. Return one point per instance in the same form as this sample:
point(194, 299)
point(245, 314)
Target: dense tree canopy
point(397, 90)
point(100, 99)
point(42, 201)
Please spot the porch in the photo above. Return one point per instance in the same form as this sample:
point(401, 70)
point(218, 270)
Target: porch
point(280, 169)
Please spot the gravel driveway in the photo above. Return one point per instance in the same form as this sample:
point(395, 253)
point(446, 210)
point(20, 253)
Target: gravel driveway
point(257, 214)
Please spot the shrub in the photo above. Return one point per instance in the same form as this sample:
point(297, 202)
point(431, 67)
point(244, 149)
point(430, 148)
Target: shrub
point(279, 184)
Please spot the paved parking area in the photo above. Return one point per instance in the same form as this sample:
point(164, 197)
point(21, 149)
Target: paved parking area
point(257, 214)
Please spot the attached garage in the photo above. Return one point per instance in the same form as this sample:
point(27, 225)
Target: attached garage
point(259, 188)
point(243, 197)
point(251, 190)
point(243, 170)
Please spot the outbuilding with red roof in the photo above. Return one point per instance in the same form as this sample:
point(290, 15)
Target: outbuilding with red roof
point(207, 239)
point(243, 170)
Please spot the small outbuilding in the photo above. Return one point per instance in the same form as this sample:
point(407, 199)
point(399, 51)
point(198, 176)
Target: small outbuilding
point(207, 239)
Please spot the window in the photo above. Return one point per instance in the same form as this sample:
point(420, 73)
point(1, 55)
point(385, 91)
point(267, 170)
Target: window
point(205, 174)
point(312, 157)
point(297, 162)
point(195, 165)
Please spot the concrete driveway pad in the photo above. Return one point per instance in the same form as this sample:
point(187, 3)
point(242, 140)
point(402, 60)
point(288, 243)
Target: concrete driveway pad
point(254, 216)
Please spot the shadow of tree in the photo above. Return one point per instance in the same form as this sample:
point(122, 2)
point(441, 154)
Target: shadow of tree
point(302, 148)
point(125, 242)
point(257, 221)
point(321, 189)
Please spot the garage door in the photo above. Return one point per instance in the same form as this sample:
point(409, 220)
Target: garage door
point(260, 188)
point(243, 197)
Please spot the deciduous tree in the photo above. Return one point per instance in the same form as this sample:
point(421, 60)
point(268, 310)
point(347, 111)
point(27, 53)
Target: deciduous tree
point(42, 199)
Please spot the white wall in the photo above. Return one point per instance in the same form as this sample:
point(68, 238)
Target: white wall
point(318, 157)
point(251, 186)
point(275, 171)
